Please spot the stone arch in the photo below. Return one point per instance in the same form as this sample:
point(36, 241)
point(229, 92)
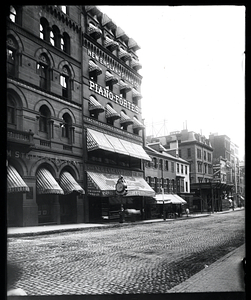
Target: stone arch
point(73, 170)
point(47, 103)
point(18, 164)
point(67, 110)
point(44, 163)
point(13, 34)
point(42, 50)
point(66, 63)
point(15, 91)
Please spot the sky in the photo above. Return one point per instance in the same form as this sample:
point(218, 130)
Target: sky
point(193, 67)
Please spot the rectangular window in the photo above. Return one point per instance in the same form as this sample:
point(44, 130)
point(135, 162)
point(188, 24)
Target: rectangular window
point(167, 165)
point(10, 115)
point(186, 186)
point(209, 157)
point(178, 168)
point(64, 81)
point(172, 166)
point(198, 153)
point(160, 164)
point(186, 170)
point(205, 155)
point(182, 169)
point(205, 168)
point(199, 167)
point(188, 152)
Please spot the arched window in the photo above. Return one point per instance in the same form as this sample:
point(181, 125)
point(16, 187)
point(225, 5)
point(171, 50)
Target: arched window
point(44, 116)
point(12, 61)
point(65, 82)
point(13, 14)
point(43, 71)
point(44, 30)
point(11, 110)
point(66, 126)
point(65, 43)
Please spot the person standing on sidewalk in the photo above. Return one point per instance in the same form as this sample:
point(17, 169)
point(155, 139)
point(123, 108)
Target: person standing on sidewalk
point(187, 211)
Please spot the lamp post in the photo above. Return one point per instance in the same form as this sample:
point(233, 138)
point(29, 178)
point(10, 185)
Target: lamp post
point(164, 211)
point(121, 190)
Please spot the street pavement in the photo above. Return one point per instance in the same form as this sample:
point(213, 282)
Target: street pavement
point(156, 257)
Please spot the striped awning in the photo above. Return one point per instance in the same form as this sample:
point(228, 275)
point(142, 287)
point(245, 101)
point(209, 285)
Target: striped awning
point(124, 54)
point(15, 182)
point(135, 64)
point(169, 198)
point(124, 86)
point(69, 184)
point(133, 45)
point(136, 94)
point(111, 113)
point(110, 44)
point(94, 31)
point(102, 184)
point(98, 140)
point(109, 77)
point(94, 67)
point(137, 124)
point(46, 183)
point(95, 105)
point(125, 119)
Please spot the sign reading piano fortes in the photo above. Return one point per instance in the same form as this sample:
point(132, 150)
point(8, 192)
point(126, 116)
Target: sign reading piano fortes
point(93, 86)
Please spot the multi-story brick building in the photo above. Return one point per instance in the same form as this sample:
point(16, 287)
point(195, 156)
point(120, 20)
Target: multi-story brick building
point(167, 174)
point(74, 115)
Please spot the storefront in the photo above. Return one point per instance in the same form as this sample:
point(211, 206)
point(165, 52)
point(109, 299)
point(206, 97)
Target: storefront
point(105, 204)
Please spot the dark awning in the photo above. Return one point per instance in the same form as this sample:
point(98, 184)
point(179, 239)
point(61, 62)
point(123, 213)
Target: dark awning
point(46, 183)
point(110, 44)
point(136, 94)
point(111, 113)
point(109, 77)
point(135, 64)
point(95, 105)
point(133, 45)
point(100, 184)
point(15, 183)
point(94, 31)
point(124, 86)
point(69, 184)
point(94, 68)
point(124, 54)
point(125, 119)
point(137, 124)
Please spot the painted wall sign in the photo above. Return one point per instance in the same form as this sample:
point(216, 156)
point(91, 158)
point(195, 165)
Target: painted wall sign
point(93, 86)
point(112, 67)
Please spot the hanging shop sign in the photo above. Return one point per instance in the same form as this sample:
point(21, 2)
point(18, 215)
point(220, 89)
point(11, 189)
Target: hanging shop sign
point(112, 67)
point(93, 86)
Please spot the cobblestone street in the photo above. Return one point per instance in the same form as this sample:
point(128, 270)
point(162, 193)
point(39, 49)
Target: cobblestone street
point(142, 258)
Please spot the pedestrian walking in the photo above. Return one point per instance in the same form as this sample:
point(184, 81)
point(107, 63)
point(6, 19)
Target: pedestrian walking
point(187, 211)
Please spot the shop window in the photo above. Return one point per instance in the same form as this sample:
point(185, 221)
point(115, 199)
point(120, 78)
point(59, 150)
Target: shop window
point(43, 71)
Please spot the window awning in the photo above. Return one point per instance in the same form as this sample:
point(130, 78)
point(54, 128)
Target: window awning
point(100, 184)
point(111, 113)
point(69, 184)
point(15, 182)
point(110, 44)
point(119, 32)
point(124, 54)
point(98, 140)
point(124, 86)
point(109, 77)
point(46, 183)
point(94, 68)
point(95, 105)
point(169, 198)
point(136, 94)
point(133, 45)
point(135, 64)
point(137, 124)
point(94, 31)
point(125, 119)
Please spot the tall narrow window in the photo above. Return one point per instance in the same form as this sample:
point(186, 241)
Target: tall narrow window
point(44, 115)
point(11, 115)
point(13, 14)
point(44, 30)
point(65, 82)
point(66, 126)
point(11, 62)
point(52, 38)
point(65, 43)
point(43, 71)
point(188, 152)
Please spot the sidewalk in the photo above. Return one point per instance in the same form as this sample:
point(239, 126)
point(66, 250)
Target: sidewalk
point(49, 229)
point(224, 275)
